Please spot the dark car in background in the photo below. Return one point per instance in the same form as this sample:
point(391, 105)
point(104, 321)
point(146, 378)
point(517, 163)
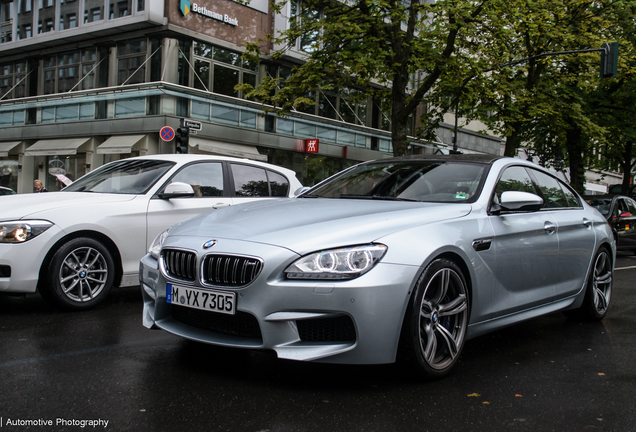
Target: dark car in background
point(620, 212)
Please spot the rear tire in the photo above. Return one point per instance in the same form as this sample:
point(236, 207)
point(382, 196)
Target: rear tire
point(80, 275)
point(437, 320)
point(598, 291)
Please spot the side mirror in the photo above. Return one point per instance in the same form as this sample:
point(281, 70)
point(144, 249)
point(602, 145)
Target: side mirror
point(177, 190)
point(520, 201)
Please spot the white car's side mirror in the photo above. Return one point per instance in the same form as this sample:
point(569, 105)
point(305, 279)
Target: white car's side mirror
point(520, 201)
point(177, 190)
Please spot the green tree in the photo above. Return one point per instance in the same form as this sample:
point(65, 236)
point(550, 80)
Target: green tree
point(613, 100)
point(393, 50)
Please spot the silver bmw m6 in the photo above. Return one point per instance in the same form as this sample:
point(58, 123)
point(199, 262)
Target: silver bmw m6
point(398, 258)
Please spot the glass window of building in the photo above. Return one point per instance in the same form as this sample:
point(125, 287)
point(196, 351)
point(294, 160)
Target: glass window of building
point(93, 10)
point(69, 10)
point(25, 19)
point(12, 80)
point(119, 8)
point(131, 56)
point(6, 20)
point(74, 70)
point(219, 70)
point(299, 11)
point(9, 172)
point(46, 16)
point(72, 167)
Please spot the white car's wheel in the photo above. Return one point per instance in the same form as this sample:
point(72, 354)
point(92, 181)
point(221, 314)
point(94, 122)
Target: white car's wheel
point(81, 274)
point(437, 319)
point(598, 292)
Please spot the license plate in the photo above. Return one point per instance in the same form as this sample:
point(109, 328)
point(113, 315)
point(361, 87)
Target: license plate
point(210, 300)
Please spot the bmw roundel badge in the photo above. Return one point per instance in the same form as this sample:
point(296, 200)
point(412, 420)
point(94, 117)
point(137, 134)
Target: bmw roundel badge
point(208, 244)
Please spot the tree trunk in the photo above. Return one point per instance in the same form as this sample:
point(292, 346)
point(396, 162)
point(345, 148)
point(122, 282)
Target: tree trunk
point(575, 156)
point(626, 166)
point(513, 142)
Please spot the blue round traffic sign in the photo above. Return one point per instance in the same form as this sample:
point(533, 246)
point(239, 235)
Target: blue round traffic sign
point(166, 133)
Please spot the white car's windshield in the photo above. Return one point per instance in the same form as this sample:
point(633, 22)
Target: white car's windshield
point(122, 177)
point(429, 181)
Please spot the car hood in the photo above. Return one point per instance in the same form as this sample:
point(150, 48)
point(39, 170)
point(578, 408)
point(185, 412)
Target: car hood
point(307, 224)
point(38, 205)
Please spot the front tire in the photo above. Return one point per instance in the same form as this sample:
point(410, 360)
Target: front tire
point(437, 320)
point(80, 275)
point(598, 291)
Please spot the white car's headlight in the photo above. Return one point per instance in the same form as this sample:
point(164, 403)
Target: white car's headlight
point(155, 247)
point(342, 263)
point(22, 231)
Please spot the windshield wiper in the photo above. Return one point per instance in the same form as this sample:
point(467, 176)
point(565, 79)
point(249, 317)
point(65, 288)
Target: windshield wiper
point(375, 197)
point(309, 196)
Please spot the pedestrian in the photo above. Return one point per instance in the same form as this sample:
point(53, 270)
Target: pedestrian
point(39, 187)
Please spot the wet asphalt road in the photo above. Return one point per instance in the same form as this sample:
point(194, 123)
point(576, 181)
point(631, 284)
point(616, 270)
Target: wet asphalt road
point(548, 374)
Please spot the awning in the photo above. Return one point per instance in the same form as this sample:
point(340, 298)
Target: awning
point(227, 149)
point(122, 144)
point(7, 146)
point(56, 147)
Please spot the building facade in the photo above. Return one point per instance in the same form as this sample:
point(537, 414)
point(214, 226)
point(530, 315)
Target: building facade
point(86, 82)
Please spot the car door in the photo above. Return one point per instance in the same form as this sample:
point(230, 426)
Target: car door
point(526, 250)
point(574, 233)
point(210, 184)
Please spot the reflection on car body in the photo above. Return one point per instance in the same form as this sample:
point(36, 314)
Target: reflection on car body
point(420, 253)
point(74, 245)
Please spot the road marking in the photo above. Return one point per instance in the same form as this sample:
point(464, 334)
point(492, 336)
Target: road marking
point(625, 268)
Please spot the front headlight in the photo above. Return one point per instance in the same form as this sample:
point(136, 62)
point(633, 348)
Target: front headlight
point(22, 231)
point(155, 247)
point(337, 264)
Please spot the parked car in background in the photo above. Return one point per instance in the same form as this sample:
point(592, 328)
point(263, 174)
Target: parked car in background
point(413, 255)
point(76, 244)
point(620, 212)
point(6, 191)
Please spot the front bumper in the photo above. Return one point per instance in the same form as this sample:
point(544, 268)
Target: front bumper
point(357, 321)
point(21, 262)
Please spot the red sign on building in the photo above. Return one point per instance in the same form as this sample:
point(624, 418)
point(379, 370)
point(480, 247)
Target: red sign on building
point(307, 146)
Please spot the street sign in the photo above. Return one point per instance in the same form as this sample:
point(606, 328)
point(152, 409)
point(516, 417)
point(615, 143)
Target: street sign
point(307, 145)
point(166, 133)
point(191, 124)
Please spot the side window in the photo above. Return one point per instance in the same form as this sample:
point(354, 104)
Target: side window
point(250, 181)
point(573, 200)
point(278, 184)
point(553, 195)
point(631, 206)
point(205, 178)
point(514, 179)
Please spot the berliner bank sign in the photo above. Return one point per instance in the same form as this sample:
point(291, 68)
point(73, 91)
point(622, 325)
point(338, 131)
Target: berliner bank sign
point(187, 7)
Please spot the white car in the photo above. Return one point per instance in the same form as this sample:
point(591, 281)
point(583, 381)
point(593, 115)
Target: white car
point(75, 245)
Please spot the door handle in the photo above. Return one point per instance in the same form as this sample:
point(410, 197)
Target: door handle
point(220, 205)
point(587, 223)
point(549, 227)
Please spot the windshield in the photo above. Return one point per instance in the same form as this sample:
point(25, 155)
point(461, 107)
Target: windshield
point(427, 181)
point(122, 177)
point(603, 205)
